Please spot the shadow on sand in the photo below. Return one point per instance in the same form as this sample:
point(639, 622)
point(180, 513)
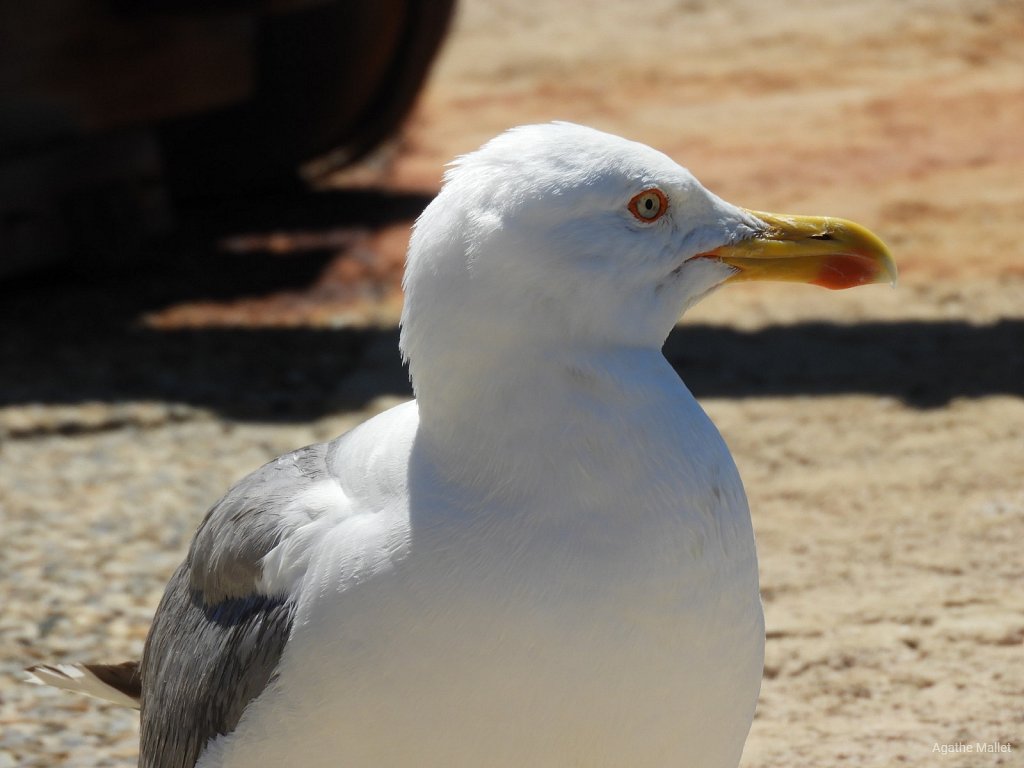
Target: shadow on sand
point(74, 336)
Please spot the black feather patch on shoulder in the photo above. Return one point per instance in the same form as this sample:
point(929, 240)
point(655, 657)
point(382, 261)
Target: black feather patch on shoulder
point(232, 611)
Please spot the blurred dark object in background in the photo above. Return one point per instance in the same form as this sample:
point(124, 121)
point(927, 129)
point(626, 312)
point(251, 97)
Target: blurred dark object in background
point(114, 113)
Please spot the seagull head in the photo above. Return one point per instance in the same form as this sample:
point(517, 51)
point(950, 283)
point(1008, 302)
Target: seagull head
point(560, 235)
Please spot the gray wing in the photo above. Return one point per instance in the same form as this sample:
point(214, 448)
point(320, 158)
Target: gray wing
point(215, 643)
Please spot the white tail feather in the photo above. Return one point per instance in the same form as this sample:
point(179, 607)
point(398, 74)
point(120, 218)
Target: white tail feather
point(78, 678)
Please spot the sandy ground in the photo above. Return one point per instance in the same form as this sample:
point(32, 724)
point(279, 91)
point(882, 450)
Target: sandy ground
point(880, 433)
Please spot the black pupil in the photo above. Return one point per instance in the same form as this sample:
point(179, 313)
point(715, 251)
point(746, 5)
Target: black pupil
point(649, 204)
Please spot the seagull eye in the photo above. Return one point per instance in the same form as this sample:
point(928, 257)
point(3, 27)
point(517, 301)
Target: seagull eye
point(650, 205)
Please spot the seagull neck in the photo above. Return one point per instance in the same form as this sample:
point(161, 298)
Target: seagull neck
point(497, 417)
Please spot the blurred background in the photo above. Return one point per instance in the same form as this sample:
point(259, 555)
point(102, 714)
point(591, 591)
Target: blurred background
point(204, 209)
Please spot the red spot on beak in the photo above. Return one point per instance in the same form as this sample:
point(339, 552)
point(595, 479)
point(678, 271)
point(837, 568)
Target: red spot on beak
point(846, 271)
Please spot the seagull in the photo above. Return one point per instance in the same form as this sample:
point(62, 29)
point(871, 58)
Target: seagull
point(546, 559)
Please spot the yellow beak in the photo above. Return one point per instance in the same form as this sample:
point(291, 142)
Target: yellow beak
point(833, 253)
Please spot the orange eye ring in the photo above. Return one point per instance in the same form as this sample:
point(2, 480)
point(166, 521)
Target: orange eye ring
point(649, 205)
